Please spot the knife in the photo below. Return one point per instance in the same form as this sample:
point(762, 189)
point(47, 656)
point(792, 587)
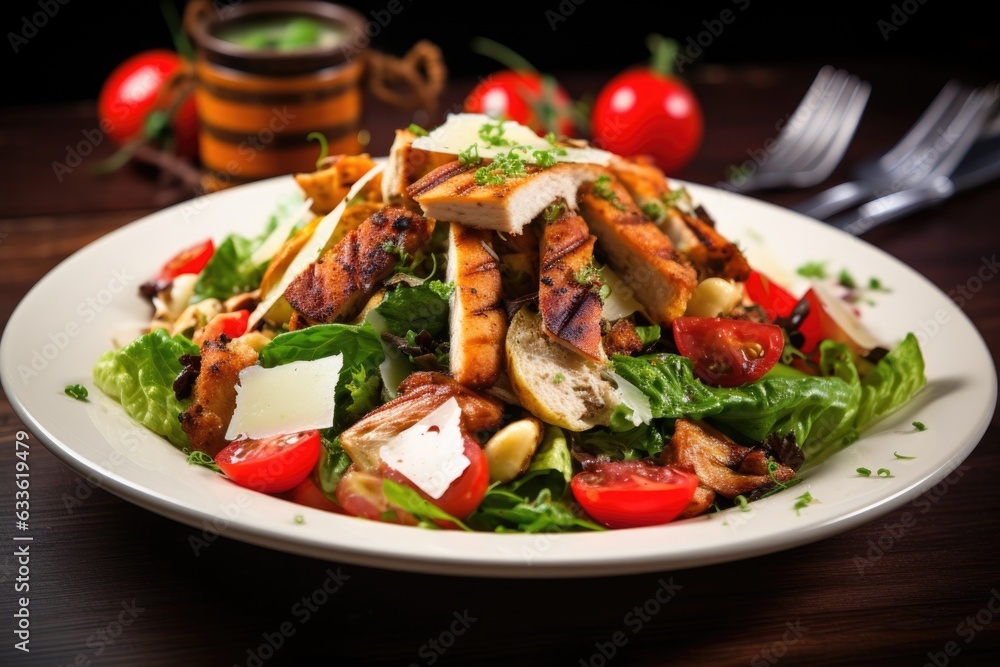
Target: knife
point(979, 166)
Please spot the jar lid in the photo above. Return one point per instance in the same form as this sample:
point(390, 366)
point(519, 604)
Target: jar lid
point(203, 22)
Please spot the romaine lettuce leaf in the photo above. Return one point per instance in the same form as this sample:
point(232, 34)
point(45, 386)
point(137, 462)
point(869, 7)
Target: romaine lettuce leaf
point(230, 271)
point(421, 308)
point(141, 375)
point(359, 344)
point(551, 467)
point(824, 413)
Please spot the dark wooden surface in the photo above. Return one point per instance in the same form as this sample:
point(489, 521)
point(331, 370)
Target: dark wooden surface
point(806, 606)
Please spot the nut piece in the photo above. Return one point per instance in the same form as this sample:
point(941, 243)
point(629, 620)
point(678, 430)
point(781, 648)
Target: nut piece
point(714, 297)
point(510, 449)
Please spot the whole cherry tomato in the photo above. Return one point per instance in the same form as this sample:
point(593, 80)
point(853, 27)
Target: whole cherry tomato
point(520, 93)
point(129, 96)
point(646, 110)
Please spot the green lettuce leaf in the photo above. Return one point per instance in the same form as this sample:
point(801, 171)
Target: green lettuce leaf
point(230, 271)
point(824, 413)
point(359, 344)
point(421, 308)
point(631, 445)
point(141, 375)
point(551, 467)
point(503, 510)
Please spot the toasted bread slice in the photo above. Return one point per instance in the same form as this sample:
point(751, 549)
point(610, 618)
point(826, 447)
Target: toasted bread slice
point(451, 193)
point(554, 383)
point(568, 300)
point(478, 320)
point(638, 251)
point(333, 287)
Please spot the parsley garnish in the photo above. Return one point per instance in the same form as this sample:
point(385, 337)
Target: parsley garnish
point(551, 138)
point(588, 275)
point(653, 210)
point(470, 156)
point(812, 270)
point(672, 197)
point(491, 134)
point(559, 377)
point(905, 458)
point(803, 501)
point(846, 279)
point(920, 426)
point(883, 472)
point(503, 166)
point(875, 285)
point(547, 158)
point(77, 391)
point(742, 502)
point(864, 472)
point(198, 458)
point(602, 188)
point(417, 130)
point(554, 210)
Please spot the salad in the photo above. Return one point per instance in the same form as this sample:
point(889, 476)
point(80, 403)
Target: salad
point(491, 330)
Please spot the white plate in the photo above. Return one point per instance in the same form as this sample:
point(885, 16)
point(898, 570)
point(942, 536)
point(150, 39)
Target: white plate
point(66, 321)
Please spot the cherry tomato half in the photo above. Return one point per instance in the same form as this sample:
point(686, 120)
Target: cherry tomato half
point(130, 93)
point(191, 260)
point(360, 493)
point(310, 495)
point(629, 494)
point(728, 353)
point(232, 325)
point(521, 96)
point(271, 465)
point(769, 295)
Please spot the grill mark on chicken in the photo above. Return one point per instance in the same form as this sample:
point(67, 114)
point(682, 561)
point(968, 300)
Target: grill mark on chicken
point(436, 177)
point(571, 311)
point(332, 287)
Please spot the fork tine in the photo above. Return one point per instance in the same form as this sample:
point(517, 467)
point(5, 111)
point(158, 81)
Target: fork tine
point(842, 132)
point(926, 124)
point(821, 135)
point(811, 114)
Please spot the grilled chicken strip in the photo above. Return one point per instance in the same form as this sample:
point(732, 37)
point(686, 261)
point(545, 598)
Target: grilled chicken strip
point(419, 395)
point(214, 392)
point(638, 251)
point(567, 296)
point(450, 192)
point(478, 320)
point(334, 286)
point(329, 184)
point(406, 165)
point(722, 466)
point(695, 237)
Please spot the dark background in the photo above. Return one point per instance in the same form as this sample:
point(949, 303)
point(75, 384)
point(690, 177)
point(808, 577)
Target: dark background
point(70, 56)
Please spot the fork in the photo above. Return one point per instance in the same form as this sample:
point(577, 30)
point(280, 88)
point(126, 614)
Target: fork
point(933, 147)
point(816, 136)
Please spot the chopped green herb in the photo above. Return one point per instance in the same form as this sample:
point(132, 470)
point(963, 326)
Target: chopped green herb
point(547, 158)
point(742, 502)
point(883, 472)
point(198, 458)
point(875, 285)
point(602, 188)
point(604, 292)
point(672, 197)
point(652, 210)
point(812, 270)
point(846, 279)
point(905, 458)
point(502, 166)
point(299, 518)
point(77, 391)
point(551, 138)
point(324, 146)
point(864, 472)
point(803, 501)
point(554, 210)
point(417, 130)
point(491, 134)
point(920, 426)
point(589, 275)
point(559, 377)
point(470, 156)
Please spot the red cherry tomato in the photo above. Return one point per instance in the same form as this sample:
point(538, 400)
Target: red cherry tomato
point(825, 323)
point(130, 92)
point(520, 96)
point(728, 353)
point(271, 465)
point(192, 260)
point(769, 295)
point(310, 495)
point(629, 494)
point(360, 493)
point(232, 325)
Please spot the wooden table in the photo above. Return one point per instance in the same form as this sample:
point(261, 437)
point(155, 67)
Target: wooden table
point(803, 606)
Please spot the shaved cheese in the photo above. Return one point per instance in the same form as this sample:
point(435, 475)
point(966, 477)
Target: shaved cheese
point(314, 246)
point(620, 302)
point(285, 399)
point(461, 130)
point(280, 234)
point(431, 452)
point(632, 397)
